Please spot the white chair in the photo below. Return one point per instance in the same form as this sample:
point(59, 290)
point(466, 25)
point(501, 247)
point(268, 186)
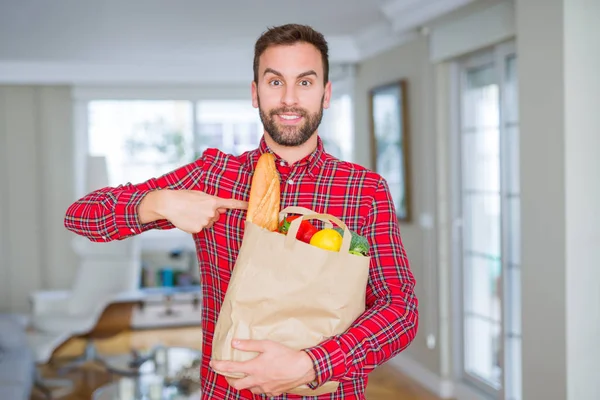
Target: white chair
point(109, 273)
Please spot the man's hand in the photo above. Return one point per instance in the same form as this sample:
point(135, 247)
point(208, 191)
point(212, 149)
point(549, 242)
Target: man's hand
point(276, 369)
point(189, 210)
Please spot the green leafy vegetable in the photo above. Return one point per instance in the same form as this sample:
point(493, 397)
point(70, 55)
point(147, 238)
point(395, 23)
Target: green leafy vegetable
point(358, 245)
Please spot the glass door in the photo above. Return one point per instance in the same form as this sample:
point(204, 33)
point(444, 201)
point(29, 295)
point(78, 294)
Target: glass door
point(488, 203)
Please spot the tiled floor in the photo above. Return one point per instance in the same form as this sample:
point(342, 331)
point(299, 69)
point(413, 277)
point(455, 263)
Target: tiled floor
point(385, 383)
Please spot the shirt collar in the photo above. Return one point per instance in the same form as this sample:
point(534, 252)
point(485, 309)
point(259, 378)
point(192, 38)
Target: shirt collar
point(313, 162)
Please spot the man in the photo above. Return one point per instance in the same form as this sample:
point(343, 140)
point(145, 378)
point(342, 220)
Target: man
point(208, 199)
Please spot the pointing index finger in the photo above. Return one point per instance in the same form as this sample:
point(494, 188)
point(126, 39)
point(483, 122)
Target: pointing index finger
point(233, 203)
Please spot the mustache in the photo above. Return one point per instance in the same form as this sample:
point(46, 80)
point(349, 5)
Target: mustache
point(291, 110)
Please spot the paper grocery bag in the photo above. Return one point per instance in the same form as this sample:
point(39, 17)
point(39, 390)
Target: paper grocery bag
point(291, 292)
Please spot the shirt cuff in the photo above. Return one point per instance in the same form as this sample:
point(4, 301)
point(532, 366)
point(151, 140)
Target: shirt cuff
point(329, 362)
point(126, 213)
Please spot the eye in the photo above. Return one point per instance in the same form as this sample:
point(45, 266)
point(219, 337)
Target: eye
point(275, 82)
point(305, 83)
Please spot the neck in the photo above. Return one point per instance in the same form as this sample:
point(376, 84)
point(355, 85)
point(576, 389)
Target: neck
point(292, 154)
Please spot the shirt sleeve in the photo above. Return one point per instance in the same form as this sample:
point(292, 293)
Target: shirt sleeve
point(389, 323)
point(110, 213)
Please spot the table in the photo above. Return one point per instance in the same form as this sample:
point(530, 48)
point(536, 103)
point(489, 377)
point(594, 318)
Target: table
point(163, 373)
point(146, 387)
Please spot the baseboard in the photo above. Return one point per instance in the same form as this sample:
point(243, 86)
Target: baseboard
point(465, 392)
point(443, 388)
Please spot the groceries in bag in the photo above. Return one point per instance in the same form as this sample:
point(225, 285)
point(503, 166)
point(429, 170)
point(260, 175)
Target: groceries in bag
point(264, 206)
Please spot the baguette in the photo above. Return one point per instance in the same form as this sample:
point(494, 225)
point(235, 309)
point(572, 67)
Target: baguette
point(264, 202)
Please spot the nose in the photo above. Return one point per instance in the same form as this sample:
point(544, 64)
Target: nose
point(289, 96)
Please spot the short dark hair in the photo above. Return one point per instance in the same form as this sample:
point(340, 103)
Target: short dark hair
point(291, 34)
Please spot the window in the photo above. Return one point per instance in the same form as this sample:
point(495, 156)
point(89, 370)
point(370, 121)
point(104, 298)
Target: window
point(488, 212)
point(337, 128)
point(230, 125)
point(146, 138)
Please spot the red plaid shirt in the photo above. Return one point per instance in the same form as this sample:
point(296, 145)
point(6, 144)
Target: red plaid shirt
point(320, 182)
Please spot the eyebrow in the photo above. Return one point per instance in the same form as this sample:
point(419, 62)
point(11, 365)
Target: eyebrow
point(302, 75)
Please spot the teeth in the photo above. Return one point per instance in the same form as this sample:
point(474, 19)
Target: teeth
point(289, 116)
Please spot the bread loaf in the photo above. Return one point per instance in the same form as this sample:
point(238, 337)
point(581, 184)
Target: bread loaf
point(264, 202)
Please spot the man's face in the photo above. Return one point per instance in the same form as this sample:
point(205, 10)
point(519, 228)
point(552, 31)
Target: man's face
point(290, 93)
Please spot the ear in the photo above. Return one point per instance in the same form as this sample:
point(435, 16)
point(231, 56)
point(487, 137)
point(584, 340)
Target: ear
point(327, 96)
point(254, 91)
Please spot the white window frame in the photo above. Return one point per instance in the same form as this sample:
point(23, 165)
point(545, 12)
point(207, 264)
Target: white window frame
point(498, 55)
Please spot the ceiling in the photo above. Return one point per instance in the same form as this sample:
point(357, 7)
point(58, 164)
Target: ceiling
point(83, 38)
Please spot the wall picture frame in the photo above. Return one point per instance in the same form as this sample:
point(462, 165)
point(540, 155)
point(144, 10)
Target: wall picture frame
point(390, 155)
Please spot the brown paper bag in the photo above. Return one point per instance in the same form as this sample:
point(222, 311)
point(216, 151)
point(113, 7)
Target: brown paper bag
point(290, 292)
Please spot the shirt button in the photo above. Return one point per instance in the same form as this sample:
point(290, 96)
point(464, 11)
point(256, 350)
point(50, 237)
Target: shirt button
point(132, 231)
point(282, 163)
point(290, 181)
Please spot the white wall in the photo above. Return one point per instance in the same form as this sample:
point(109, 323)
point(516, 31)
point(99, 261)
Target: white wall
point(582, 132)
point(559, 64)
point(494, 22)
point(36, 176)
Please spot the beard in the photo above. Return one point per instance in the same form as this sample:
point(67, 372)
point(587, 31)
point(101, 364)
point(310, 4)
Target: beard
point(291, 135)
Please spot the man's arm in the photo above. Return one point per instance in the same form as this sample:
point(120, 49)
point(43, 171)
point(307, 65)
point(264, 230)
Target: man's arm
point(117, 213)
point(390, 321)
